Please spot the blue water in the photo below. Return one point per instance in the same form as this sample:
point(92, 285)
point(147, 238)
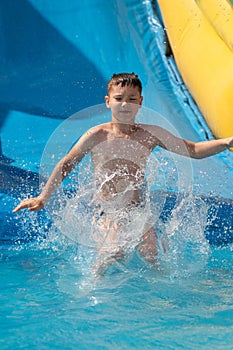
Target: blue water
point(48, 302)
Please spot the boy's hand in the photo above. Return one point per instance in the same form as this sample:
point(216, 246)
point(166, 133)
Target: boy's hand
point(230, 144)
point(31, 203)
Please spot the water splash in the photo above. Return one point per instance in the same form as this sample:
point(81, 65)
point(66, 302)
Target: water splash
point(187, 249)
point(165, 172)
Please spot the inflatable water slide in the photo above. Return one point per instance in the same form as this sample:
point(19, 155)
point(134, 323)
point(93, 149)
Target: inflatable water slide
point(55, 60)
point(200, 34)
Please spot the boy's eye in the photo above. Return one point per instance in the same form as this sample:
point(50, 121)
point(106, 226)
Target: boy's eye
point(120, 98)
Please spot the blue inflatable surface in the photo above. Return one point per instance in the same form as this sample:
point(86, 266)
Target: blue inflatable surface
point(56, 58)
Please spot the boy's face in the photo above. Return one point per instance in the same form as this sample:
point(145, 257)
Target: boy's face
point(124, 102)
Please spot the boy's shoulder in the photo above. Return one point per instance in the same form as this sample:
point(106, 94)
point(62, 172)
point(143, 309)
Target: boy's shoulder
point(100, 128)
point(149, 127)
point(97, 132)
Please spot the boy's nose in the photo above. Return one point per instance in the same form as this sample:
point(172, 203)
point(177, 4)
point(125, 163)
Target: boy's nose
point(124, 103)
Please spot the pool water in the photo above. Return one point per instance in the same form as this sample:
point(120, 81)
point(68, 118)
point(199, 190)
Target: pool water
point(50, 301)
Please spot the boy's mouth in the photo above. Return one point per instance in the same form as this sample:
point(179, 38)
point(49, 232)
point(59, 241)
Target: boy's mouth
point(125, 112)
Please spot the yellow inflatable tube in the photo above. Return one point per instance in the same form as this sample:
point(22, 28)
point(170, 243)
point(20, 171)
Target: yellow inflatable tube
point(204, 59)
point(220, 15)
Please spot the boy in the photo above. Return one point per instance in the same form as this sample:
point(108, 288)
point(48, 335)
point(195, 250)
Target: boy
point(120, 150)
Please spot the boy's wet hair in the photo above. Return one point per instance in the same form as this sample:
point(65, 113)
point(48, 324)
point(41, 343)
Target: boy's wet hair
point(125, 79)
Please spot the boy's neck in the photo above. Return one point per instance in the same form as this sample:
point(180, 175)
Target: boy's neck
point(123, 128)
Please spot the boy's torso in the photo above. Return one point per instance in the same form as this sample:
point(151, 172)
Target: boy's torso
point(120, 161)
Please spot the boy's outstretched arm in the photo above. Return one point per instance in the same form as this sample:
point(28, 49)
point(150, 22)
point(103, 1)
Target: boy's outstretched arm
point(191, 149)
point(61, 170)
point(205, 149)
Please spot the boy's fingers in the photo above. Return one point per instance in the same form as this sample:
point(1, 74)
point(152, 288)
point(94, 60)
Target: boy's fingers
point(31, 203)
point(19, 207)
point(22, 205)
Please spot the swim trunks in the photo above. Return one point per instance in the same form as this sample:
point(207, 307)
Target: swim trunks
point(120, 229)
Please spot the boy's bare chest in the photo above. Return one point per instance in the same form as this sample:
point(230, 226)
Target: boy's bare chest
point(122, 150)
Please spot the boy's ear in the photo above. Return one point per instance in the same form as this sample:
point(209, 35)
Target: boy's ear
point(141, 99)
point(107, 101)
